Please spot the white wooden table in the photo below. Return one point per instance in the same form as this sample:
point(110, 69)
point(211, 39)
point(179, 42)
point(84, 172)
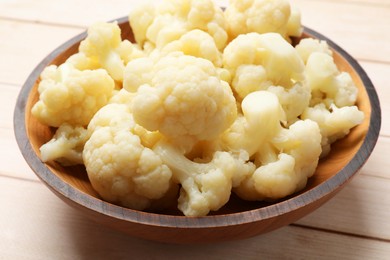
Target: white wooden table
point(35, 224)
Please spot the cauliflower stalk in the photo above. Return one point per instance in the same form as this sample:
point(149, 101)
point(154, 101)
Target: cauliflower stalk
point(205, 187)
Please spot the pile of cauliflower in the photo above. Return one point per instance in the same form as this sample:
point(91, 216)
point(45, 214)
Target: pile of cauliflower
point(206, 102)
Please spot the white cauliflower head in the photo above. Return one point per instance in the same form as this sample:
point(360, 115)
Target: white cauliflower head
point(334, 122)
point(264, 61)
point(182, 97)
point(66, 146)
point(262, 16)
point(308, 46)
point(196, 43)
point(327, 83)
point(104, 46)
point(121, 169)
point(285, 163)
point(68, 95)
point(167, 21)
point(280, 60)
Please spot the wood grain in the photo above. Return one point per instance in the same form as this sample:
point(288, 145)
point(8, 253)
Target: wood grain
point(23, 45)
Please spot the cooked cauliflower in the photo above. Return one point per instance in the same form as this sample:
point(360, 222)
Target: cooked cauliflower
point(204, 103)
point(262, 16)
point(193, 105)
point(105, 47)
point(121, 169)
point(162, 23)
point(66, 146)
point(260, 119)
point(333, 93)
point(327, 83)
point(285, 163)
point(268, 62)
point(196, 43)
point(307, 46)
point(294, 26)
point(68, 95)
point(334, 122)
point(280, 60)
point(205, 187)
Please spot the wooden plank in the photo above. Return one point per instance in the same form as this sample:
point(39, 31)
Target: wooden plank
point(352, 27)
point(379, 74)
point(11, 160)
point(384, 3)
point(37, 225)
point(8, 97)
point(378, 163)
point(12, 163)
point(358, 209)
point(29, 10)
point(26, 45)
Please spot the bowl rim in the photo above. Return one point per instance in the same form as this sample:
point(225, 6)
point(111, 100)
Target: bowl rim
point(222, 220)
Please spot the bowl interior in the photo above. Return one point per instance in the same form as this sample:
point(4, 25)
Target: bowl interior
point(342, 151)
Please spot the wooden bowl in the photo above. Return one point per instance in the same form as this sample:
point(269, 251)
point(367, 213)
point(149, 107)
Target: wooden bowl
point(238, 219)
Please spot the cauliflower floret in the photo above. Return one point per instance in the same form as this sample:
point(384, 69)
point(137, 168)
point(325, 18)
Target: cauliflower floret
point(105, 47)
point(121, 169)
point(308, 46)
point(258, 123)
point(196, 43)
point(294, 100)
point(183, 98)
point(167, 21)
point(294, 26)
point(148, 138)
point(280, 60)
point(68, 95)
point(81, 62)
point(66, 146)
point(327, 83)
point(267, 61)
point(121, 96)
point(250, 78)
point(262, 16)
point(335, 123)
point(285, 163)
point(205, 187)
point(333, 93)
